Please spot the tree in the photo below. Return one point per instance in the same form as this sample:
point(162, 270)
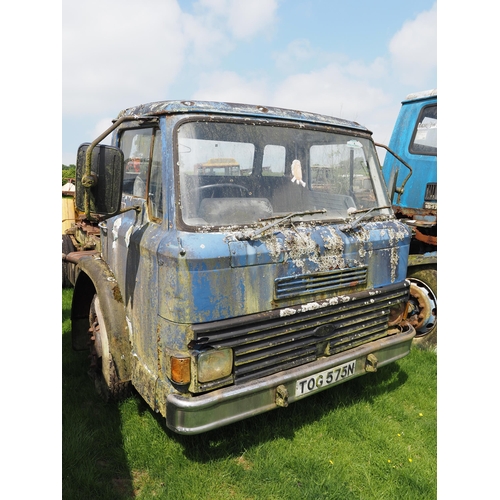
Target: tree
point(68, 172)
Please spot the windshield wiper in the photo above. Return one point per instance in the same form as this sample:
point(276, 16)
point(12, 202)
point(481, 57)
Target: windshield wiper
point(284, 218)
point(363, 215)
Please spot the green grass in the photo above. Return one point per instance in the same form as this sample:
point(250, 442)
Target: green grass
point(370, 438)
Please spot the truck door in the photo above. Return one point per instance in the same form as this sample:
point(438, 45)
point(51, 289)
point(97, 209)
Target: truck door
point(133, 237)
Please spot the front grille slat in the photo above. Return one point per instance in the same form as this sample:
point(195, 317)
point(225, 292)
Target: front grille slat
point(430, 192)
point(374, 335)
point(287, 342)
point(303, 284)
point(277, 340)
point(277, 358)
point(367, 331)
point(232, 337)
point(270, 368)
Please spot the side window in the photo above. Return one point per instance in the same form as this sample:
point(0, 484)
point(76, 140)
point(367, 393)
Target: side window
point(274, 160)
point(136, 147)
point(424, 140)
point(142, 176)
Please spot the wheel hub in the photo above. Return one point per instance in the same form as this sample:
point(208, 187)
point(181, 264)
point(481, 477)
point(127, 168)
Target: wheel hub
point(422, 310)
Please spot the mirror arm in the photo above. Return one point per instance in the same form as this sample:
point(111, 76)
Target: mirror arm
point(401, 188)
point(137, 209)
point(89, 179)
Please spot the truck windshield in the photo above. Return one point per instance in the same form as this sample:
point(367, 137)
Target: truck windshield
point(242, 173)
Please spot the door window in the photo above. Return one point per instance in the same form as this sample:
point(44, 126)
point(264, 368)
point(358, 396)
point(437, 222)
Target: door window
point(142, 176)
point(424, 141)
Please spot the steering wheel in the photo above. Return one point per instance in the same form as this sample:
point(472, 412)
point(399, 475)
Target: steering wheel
point(244, 191)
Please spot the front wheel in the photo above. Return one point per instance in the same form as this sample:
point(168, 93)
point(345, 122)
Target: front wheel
point(422, 311)
point(102, 368)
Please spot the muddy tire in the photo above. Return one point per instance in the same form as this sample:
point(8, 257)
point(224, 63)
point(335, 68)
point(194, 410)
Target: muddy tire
point(67, 247)
point(102, 367)
point(423, 306)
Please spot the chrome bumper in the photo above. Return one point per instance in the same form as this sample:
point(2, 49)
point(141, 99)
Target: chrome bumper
point(194, 415)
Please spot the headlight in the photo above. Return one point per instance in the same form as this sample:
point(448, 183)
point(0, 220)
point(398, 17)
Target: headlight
point(214, 364)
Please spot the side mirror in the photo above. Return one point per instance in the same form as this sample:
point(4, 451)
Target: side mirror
point(105, 190)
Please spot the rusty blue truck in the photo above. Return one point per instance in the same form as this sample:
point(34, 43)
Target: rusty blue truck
point(248, 257)
point(410, 171)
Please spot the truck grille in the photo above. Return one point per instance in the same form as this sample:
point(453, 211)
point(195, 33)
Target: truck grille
point(270, 342)
point(319, 282)
point(431, 191)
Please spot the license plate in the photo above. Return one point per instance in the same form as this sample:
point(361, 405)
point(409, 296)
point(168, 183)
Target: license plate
point(325, 378)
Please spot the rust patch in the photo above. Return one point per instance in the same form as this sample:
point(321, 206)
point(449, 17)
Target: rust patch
point(426, 238)
point(412, 212)
point(117, 294)
point(74, 257)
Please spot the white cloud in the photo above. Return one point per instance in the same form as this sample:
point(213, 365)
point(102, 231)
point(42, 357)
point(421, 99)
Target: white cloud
point(331, 90)
point(248, 18)
point(343, 91)
point(376, 69)
point(207, 42)
point(115, 50)
point(231, 87)
point(297, 52)
point(243, 19)
point(217, 7)
point(414, 48)
point(119, 52)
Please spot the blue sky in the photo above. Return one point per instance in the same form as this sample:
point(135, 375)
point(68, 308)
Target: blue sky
point(355, 60)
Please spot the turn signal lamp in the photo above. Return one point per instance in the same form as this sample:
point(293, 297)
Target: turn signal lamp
point(180, 370)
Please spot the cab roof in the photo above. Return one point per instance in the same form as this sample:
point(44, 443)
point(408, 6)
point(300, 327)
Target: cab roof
point(425, 94)
point(235, 109)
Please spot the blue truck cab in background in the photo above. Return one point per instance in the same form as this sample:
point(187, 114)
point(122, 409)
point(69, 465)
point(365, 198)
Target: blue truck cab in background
point(410, 171)
point(249, 257)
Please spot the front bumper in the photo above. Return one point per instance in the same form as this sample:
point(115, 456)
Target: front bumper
point(194, 415)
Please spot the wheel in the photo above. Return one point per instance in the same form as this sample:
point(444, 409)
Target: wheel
point(102, 368)
point(422, 311)
point(67, 247)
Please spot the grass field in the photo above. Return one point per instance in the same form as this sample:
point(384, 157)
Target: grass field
point(374, 437)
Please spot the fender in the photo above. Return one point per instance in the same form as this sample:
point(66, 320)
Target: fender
point(96, 277)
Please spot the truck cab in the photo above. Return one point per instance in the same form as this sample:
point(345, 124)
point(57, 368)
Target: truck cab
point(410, 171)
point(249, 257)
